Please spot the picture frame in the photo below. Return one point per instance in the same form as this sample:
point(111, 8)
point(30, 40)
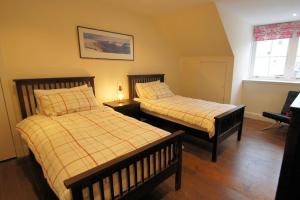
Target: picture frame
point(101, 44)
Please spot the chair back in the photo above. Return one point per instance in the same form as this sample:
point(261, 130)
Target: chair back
point(289, 100)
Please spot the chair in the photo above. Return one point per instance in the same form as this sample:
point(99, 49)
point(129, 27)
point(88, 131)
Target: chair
point(284, 116)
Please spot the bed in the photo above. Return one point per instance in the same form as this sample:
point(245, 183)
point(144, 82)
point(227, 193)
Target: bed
point(137, 161)
point(228, 121)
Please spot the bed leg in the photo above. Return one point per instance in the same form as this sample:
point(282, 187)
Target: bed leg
point(77, 193)
point(178, 180)
point(179, 166)
point(240, 130)
point(214, 151)
point(239, 137)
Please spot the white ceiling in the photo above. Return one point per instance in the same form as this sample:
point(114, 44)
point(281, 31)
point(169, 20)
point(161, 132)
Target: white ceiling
point(253, 11)
point(258, 12)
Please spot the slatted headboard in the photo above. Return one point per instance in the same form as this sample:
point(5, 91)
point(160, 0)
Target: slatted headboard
point(25, 89)
point(142, 78)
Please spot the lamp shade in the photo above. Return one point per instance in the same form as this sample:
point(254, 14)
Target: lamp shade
point(120, 93)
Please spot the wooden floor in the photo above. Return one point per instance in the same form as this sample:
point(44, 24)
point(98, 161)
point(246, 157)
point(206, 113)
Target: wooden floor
point(245, 170)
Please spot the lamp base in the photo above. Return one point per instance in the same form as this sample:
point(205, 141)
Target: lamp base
point(120, 102)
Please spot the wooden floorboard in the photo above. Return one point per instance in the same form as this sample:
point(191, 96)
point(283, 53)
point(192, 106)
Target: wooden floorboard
point(245, 170)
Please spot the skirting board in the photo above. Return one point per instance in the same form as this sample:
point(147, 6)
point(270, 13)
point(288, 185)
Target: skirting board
point(257, 116)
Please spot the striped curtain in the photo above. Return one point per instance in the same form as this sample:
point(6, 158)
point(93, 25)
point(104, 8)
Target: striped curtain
point(276, 31)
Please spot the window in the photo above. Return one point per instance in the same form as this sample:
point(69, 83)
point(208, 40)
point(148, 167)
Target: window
point(270, 57)
point(276, 52)
point(297, 63)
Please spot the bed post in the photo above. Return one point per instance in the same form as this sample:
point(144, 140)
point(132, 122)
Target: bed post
point(216, 141)
point(215, 150)
point(179, 166)
point(239, 137)
point(77, 193)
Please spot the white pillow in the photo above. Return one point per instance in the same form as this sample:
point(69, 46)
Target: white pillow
point(40, 92)
point(146, 90)
point(162, 91)
point(153, 90)
point(69, 101)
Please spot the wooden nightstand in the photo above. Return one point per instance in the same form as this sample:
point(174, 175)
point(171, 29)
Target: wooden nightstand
point(127, 107)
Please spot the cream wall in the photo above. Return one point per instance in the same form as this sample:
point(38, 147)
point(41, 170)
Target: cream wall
point(239, 34)
point(7, 149)
point(198, 36)
point(207, 78)
point(265, 96)
point(39, 39)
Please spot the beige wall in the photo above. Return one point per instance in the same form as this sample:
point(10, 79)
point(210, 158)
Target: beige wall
point(39, 39)
point(265, 96)
point(198, 36)
point(239, 34)
point(207, 78)
point(7, 149)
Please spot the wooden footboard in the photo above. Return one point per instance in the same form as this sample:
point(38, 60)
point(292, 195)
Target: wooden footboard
point(225, 125)
point(165, 156)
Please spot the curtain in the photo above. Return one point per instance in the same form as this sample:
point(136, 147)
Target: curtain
point(276, 31)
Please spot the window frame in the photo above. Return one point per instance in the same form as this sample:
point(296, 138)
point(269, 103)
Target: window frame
point(289, 74)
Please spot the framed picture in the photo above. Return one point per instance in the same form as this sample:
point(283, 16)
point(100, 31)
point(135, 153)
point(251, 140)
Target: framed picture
point(99, 44)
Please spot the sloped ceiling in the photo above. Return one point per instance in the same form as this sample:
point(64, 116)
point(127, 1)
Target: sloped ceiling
point(253, 11)
point(196, 31)
point(258, 12)
point(192, 27)
point(155, 7)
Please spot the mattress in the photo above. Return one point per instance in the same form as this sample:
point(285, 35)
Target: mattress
point(71, 144)
point(195, 113)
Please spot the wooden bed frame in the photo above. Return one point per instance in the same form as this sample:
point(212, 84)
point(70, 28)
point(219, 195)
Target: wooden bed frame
point(226, 123)
point(170, 146)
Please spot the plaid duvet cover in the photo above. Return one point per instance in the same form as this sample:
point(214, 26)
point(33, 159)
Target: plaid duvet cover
point(196, 112)
point(73, 143)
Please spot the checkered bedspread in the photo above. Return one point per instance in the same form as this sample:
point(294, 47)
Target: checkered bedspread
point(73, 143)
point(195, 112)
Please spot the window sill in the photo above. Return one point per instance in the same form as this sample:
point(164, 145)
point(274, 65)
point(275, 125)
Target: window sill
point(283, 82)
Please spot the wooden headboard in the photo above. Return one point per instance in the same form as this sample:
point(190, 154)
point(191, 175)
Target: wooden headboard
point(142, 78)
point(25, 89)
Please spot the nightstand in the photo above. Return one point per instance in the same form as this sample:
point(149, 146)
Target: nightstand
point(126, 107)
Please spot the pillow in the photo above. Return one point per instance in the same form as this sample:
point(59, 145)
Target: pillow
point(162, 91)
point(39, 92)
point(64, 102)
point(153, 90)
point(146, 90)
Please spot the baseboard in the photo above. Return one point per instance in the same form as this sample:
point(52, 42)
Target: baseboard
point(257, 116)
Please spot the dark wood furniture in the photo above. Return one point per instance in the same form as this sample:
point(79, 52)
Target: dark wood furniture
point(289, 180)
point(126, 107)
point(225, 124)
point(170, 146)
